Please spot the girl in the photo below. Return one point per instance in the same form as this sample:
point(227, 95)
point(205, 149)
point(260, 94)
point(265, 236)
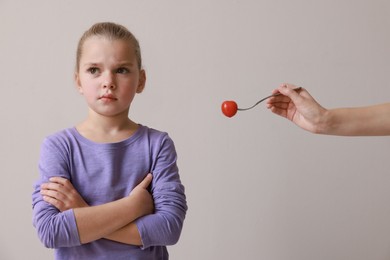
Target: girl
point(94, 198)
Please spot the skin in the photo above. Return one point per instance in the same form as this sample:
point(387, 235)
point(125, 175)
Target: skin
point(108, 78)
point(303, 110)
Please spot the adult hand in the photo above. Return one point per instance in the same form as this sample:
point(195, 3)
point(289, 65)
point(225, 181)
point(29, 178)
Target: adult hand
point(298, 106)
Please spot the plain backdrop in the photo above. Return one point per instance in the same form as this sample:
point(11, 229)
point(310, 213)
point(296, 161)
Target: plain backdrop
point(258, 187)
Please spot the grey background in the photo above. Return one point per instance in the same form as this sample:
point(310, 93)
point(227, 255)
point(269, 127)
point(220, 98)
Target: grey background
point(258, 187)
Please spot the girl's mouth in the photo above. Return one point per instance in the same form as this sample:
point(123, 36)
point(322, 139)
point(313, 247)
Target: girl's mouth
point(108, 97)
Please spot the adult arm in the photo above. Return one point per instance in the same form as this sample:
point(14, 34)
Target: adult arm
point(303, 110)
point(360, 121)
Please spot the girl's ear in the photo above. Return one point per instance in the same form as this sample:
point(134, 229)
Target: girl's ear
point(78, 83)
point(141, 81)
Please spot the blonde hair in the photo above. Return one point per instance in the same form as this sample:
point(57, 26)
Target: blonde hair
point(111, 31)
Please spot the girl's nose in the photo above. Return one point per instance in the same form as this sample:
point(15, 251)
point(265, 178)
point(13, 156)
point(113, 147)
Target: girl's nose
point(109, 85)
point(109, 81)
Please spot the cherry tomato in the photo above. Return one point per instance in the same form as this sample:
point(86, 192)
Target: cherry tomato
point(229, 108)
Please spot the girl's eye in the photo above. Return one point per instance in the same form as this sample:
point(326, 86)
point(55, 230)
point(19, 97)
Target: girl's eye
point(122, 71)
point(93, 70)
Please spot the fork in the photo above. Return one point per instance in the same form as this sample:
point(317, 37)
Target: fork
point(261, 100)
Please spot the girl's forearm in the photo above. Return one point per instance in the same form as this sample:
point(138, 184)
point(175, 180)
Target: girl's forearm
point(99, 221)
point(128, 235)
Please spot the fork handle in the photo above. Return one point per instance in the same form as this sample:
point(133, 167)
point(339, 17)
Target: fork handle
point(261, 100)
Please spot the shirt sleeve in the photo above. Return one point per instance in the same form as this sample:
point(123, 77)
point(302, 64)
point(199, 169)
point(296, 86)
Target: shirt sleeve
point(55, 229)
point(165, 225)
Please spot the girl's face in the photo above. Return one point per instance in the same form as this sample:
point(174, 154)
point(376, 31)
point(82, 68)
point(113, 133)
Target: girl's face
point(109, 76)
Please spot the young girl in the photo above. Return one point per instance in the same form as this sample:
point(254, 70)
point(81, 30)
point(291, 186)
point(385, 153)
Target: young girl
point(109, 188)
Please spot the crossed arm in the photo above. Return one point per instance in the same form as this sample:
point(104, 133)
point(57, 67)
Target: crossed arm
point(96, 222)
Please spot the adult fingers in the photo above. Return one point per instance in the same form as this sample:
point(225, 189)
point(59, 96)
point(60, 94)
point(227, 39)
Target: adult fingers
point(289, 91)
point(278, 99)
point(280, 105)
point(278, 111)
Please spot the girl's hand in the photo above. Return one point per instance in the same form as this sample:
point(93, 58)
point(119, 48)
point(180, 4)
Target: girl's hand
point(143, 197)
point(60, 193)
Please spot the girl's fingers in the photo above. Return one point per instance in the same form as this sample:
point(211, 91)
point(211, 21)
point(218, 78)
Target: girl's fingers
point(58, 184)
point(60, 193)
point(60, 180)
point(53, 194)
point(50, 200)
point(55, 190)
point(146, 181)
point(56, 203)
point(51, 186)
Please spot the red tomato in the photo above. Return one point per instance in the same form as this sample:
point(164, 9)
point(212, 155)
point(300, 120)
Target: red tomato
point(229, 108)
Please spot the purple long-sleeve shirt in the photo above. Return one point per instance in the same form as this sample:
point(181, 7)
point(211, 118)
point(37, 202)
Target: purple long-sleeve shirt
point(102, 173)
